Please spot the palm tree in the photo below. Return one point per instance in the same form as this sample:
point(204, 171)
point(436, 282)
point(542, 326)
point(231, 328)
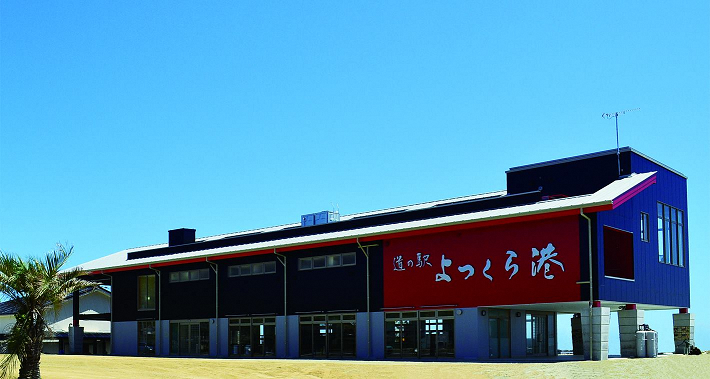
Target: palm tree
point(34, 286)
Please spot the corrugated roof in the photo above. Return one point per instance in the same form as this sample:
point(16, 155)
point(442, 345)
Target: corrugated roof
point(603, 197)
point(9, 308)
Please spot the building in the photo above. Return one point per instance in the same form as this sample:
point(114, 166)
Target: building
point(97, 334)
point(474, 277)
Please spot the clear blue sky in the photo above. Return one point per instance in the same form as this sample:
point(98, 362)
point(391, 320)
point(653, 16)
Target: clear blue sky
point(121, 120)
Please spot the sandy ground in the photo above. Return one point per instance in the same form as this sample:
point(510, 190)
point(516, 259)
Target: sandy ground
point(66, 366)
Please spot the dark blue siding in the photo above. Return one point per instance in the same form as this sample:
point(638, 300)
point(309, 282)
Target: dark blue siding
point(654, 282)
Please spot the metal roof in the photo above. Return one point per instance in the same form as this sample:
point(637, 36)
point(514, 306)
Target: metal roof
point(603, 197)
point(9, 308)
point(593, 155)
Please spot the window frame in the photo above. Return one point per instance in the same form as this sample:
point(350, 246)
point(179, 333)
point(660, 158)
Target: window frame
point(329, 261)
point(144, 304)
point(645, 224)
point(239, 270)
point(671, 228)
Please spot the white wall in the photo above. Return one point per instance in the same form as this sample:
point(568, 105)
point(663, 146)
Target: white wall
point(92, 303)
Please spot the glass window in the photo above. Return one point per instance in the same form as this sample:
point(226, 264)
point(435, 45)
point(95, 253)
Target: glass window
point(334, 260)
point(305, 264)
point(146, 338)
point(204, 274)
point(269, 267)
point(146, 292)
point(184, 276)
point(348, 259)
point(644, 227)
point(189, 338)
point(329, 336)
point(257, 268)
point(671, 236)
point(319, 262)
point(194, 275)
point(245, 270)
point(174, 277)
point(233, 270)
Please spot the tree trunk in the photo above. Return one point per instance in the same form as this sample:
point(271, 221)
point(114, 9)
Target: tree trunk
point(29, 366)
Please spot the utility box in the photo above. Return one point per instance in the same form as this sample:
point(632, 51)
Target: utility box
point(324, 217)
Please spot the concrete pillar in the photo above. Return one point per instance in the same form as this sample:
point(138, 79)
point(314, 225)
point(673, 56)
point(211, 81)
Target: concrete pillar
point(683, 329)
point(76, 340)
point(629, 321)
point(600, 333)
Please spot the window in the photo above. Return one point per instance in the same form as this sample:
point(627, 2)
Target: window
point(259, 268)
point(423, 334)
point(671, 236)
point(644, 227)
point(146, 292)
point(618, 253)
point(334, 260)
point(146, 337)
point(323, 261)
point(327, 336)
point(189, 338)
point(190, 275)
point(348, 259)
point(319, 262)
point(252, 337)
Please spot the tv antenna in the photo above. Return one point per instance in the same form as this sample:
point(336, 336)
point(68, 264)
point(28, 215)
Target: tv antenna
point(615, 116)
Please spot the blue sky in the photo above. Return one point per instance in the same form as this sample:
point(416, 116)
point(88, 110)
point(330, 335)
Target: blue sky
point(122, 120)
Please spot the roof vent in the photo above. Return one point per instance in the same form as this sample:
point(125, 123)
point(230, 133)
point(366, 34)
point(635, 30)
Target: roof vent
point(324, 217)
point(181, 236)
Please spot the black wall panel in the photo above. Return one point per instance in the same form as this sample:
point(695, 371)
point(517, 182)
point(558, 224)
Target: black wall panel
point(571, 178)
point(125, 296)
point(187, 300)
point(250, 295)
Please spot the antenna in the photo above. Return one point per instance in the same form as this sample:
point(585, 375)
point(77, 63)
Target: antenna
point(615, 116)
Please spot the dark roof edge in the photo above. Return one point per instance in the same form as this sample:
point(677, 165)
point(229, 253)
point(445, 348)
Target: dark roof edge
point(593, 155)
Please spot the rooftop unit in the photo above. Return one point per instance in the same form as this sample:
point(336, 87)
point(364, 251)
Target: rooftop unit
point(324, 217)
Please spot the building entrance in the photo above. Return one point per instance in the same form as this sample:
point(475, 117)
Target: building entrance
point(499, 333)
point(423, 334)
point(252, 337)
point(328, 336)
point(189, 338)
point(536, 333)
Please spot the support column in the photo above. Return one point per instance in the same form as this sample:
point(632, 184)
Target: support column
point(76, 333)
point(76, 340)
point(629, 320)
point(683, 329)
point(600, 333)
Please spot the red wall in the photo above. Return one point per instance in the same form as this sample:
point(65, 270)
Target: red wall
point(413, 286)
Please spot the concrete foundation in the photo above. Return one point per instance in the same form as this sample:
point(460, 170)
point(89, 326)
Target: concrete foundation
point(683, 330)
point(629, 321)
point(600, 333)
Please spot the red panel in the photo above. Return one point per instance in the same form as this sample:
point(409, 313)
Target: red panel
point(539, 279)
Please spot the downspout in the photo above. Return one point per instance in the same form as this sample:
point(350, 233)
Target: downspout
point(591, 292)
point(110, 310)
point(366, 251)
point(215, 268)
point(160, 298)
point(159, 339)
point(282, 259)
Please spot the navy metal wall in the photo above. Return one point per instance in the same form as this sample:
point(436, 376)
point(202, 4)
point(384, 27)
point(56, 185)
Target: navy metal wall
point(654, 282)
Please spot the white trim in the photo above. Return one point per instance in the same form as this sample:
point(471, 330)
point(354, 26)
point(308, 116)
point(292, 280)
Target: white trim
point(617, 278)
